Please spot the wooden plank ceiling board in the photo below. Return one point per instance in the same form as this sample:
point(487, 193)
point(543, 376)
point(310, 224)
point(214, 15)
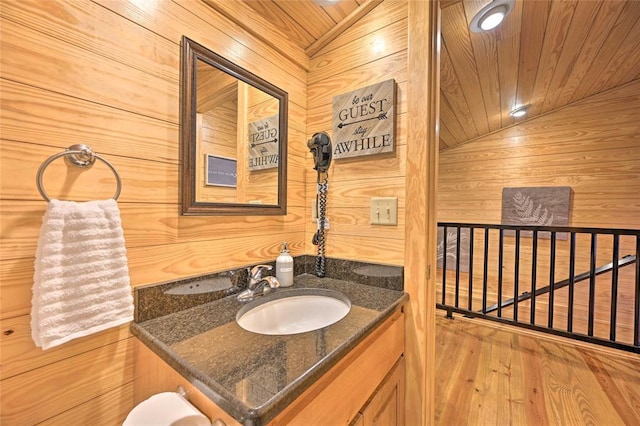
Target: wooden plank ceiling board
point(306, 21)
point(547, 53)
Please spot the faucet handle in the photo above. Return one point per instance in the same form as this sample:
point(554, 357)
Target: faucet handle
point(256, 271)
point(272, 282)
point(266, 284)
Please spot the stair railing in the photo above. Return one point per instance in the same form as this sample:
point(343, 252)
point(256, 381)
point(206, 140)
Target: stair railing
point(526, 276)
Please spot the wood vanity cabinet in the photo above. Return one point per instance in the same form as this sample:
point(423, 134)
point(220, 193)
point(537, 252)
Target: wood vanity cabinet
point(366, 385)
point(365, 388)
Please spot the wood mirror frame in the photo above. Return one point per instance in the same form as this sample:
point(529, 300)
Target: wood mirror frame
point(193, 52)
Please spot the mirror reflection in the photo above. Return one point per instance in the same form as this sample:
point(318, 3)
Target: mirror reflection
point(234, 138)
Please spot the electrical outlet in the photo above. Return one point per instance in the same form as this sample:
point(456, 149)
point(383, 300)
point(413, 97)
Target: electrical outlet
point(384, 210)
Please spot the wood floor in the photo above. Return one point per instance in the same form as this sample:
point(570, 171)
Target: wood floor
point(490, 374)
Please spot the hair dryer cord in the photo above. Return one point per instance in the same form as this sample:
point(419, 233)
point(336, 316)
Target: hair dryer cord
point(318, 238)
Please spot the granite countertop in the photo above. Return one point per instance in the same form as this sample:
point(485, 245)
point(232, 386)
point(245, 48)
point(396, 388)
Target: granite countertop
point(251, 376)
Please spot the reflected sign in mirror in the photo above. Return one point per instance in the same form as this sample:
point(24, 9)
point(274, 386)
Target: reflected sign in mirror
point(231, 118)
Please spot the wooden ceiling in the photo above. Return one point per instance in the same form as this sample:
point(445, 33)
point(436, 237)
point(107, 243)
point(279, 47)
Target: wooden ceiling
point(305, 21)
point(547, 54)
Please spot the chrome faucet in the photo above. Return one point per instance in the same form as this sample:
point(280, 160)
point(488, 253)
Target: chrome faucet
point(257, 284)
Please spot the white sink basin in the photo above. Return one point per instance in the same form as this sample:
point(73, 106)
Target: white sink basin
point(293, 311)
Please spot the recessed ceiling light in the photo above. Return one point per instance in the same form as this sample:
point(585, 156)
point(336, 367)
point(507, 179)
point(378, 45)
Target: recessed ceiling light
point(490, 16)
point(520, 111)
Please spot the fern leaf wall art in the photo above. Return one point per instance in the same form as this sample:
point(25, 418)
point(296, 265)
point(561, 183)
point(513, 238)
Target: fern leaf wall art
point(527, 215)
point(536, 206)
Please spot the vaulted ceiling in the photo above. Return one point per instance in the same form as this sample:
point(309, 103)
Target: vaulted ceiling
point(547, 54)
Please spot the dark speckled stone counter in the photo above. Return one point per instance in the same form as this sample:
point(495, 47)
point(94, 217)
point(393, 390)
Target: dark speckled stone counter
point(251, 376)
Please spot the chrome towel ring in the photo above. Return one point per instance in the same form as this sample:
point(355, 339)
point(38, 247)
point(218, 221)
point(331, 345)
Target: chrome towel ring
point(78, 155)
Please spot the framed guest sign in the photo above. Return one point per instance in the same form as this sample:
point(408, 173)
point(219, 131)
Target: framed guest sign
point(264, 143)
point(364, 121)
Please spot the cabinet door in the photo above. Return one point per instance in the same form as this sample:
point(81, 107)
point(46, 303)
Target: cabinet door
point(386, 407)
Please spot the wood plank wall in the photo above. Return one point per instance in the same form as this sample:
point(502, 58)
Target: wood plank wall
point(348, 63)
point(106, 74)
point(592, 146)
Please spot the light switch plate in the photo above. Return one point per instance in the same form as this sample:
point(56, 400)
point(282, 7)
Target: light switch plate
point(384, 210)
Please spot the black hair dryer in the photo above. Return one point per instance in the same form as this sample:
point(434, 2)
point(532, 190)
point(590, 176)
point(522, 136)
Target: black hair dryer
point(320, 146)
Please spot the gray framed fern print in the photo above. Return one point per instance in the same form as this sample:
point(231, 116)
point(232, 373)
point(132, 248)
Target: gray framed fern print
point(537, 206)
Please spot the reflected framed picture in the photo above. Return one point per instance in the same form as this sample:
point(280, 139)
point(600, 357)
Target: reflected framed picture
point(221, 171)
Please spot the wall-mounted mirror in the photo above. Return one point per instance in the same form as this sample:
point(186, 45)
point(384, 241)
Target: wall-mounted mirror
point(233, 138)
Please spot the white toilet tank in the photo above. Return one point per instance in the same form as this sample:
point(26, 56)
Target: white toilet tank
point(166, 409)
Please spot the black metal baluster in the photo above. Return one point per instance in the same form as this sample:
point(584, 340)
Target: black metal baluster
point(485, 272)
point(572, 273)
point(592, 282)
point(444, 265)
point(614, 287)
point(516, 278)
point(534, 270)
point(636, 331)
point(457, 267)
point(500, 264)
point(552, 280)
point(470, 294)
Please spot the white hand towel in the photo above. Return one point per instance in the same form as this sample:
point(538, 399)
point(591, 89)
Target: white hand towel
point(81, 280)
